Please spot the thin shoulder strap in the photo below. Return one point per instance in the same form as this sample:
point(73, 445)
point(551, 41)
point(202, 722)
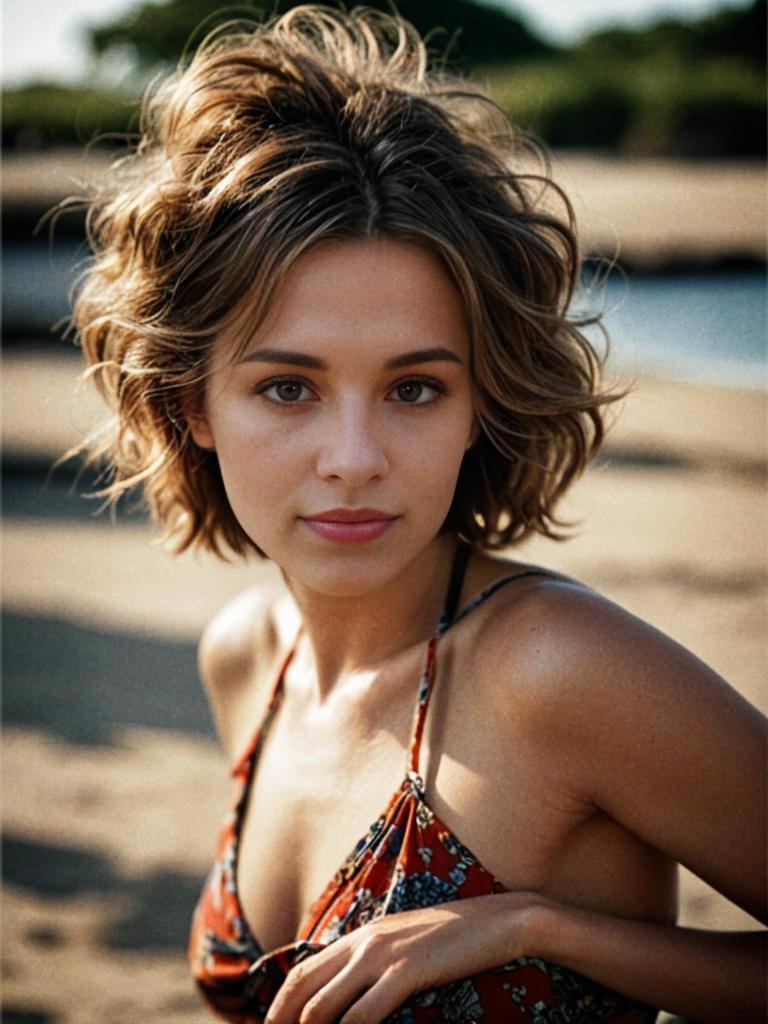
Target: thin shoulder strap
point(458, 569)
point(489, 591)
point(260, 732)
point(428, 676)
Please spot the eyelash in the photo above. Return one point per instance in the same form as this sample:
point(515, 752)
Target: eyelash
point(425, 381)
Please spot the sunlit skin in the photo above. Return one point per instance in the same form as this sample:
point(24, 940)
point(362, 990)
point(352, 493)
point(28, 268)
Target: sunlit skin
point(593, 794)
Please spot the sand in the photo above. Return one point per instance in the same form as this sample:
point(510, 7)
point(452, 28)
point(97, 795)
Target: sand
point(114, 783)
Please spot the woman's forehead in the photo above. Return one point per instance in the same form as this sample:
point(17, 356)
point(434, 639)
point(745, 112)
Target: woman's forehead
point(380, 295)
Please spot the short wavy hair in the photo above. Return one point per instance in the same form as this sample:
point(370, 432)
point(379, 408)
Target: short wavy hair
point(320, 125)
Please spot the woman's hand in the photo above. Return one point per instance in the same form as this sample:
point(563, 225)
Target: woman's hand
point(365, 975)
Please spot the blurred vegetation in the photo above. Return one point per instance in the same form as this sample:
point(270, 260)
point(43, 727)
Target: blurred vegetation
point(159, 33)
point(655, 105)
point(49, 114)
point(693, 88)
point(686, 88)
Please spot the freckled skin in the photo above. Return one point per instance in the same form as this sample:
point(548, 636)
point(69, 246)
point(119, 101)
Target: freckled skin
point(354, 434)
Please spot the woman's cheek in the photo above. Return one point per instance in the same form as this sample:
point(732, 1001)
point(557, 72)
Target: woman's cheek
point(251, 459)
point(245, 432)
point(437, 452)
point(433, 469)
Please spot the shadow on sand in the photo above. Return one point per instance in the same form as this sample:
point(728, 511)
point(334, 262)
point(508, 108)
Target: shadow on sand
point(82, 684)
point(155, 907)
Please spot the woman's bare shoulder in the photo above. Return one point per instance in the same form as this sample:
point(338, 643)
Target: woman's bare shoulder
point(638, 725)
point(618, 704)
point(581, 664)
point(237, 651)
point(557, 635)
point(234, 638)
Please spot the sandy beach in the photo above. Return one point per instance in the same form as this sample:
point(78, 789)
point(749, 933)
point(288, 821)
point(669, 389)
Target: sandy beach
point(115, 786)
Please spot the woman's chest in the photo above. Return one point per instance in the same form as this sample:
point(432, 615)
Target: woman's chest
point(319, 787)
point(316, 790)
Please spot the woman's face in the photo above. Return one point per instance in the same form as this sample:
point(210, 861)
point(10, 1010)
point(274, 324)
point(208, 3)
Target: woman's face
point(353, 394)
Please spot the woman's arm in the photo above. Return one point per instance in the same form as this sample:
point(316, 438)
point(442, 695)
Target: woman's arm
point(665, 747)
point(710, 977)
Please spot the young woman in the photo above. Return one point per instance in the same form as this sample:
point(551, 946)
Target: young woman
point(330, 312)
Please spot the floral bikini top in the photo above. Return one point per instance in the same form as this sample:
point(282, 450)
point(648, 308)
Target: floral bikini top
point(409, 858)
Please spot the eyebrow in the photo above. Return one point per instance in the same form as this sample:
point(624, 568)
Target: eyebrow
point(283, 355)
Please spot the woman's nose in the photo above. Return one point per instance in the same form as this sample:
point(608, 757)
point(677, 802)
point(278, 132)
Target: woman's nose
point(351, 448)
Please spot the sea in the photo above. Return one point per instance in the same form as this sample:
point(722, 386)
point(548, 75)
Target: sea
point(710, 327)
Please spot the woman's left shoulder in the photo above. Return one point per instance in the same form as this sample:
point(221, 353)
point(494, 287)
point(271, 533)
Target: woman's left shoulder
point(554, 625)
point(638, 726)
point(551, 636)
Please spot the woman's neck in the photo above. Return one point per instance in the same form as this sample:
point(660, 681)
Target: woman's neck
point(347, 636)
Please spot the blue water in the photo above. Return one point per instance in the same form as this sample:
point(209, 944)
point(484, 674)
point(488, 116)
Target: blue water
point(36, 282)
point(711, 327)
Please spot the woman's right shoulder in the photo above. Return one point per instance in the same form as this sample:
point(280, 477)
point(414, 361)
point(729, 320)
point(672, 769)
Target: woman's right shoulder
point(236, 639)
point(237, 655)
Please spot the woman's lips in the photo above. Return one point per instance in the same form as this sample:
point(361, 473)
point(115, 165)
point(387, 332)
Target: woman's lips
point(350, 532)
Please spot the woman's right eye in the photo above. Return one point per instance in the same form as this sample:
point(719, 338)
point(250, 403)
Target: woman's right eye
point(284, 392)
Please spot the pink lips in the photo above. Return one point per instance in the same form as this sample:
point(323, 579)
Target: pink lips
point(350, 525)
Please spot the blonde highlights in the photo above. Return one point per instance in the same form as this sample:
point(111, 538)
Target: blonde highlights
point(325, 125)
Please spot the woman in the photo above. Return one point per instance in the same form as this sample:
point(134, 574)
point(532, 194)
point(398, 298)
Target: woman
point(332, 323)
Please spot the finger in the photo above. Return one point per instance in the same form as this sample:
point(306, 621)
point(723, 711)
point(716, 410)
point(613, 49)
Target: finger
point(302, 982)
point(340, 992)
point(387, 993)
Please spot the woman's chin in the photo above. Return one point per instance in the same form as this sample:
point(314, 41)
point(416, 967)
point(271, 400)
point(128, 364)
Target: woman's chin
point(352, 572)
point(338, 578)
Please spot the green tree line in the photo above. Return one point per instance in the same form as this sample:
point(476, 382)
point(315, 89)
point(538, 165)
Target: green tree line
point(682, 87)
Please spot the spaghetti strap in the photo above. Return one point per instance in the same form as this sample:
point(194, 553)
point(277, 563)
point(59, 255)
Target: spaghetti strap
point(458, 569)
point(490, 590)
point(428, 676)
point(275, 693)
point(408, 857)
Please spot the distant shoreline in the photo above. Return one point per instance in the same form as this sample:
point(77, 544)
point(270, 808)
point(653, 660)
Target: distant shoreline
point(654, 215)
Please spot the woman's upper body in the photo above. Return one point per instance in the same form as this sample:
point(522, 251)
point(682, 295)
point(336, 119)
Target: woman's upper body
point(563, 729)
point(516, 763)
point(493, 757)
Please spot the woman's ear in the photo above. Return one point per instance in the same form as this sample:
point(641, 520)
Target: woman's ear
point(199, 426)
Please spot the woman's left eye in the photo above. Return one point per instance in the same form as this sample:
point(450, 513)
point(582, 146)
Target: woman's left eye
point(418, 392)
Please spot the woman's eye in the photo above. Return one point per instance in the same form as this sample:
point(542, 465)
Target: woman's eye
point(418, 392)
point(285, 392)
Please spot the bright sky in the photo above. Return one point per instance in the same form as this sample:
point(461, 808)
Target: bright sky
point(44, 38)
